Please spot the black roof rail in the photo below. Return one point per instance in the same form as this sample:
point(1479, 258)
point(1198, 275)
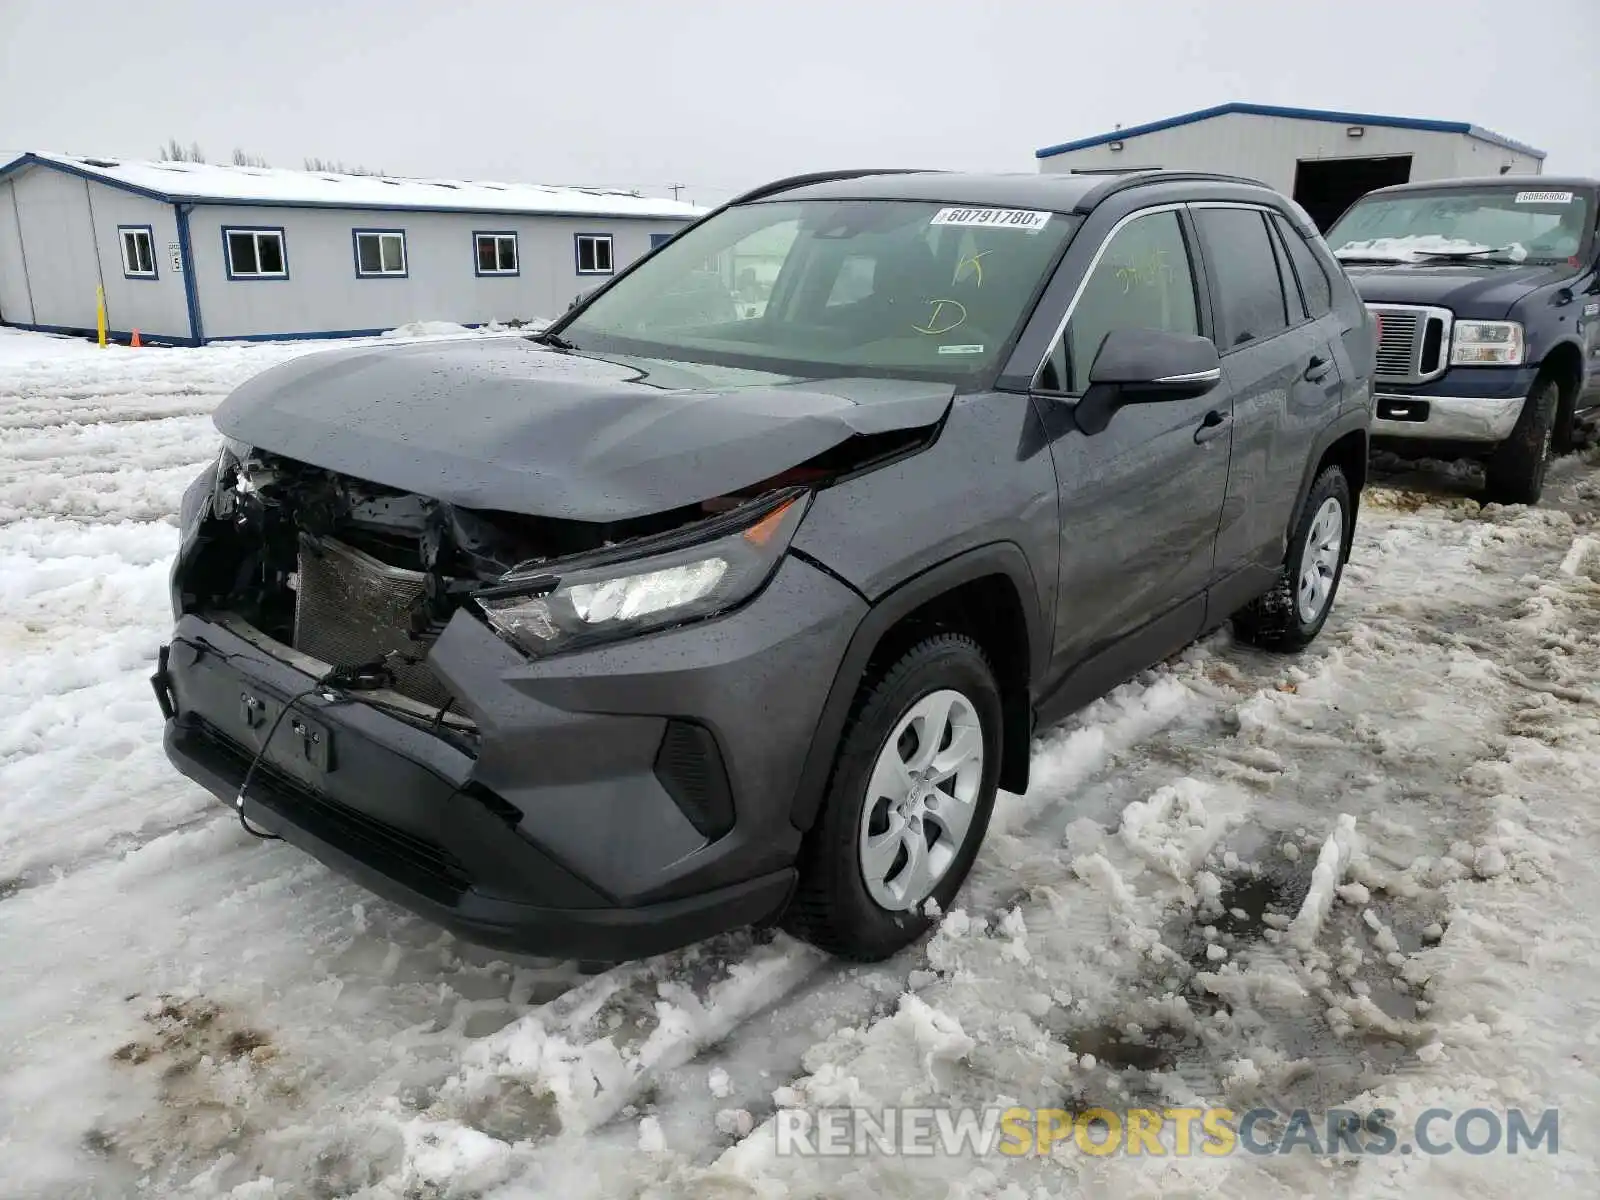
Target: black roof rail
point(1133, 179)
point(796, 181)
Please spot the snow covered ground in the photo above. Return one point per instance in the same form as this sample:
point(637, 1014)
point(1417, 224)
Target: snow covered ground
point(1360, 879)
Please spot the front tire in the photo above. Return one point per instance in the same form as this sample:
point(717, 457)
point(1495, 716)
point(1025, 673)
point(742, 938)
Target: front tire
point(1289, 617)
point(907, 805)
point(1515, 472)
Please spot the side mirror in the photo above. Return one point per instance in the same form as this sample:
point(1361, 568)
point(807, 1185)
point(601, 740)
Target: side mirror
point(1145, 366)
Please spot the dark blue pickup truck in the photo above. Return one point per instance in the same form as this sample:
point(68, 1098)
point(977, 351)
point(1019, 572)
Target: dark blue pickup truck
point(1487, 296)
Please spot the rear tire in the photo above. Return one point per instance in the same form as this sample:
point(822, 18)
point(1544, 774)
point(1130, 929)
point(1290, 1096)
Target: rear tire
point(1285, 618)
point(836, 905)
point(1515, 471)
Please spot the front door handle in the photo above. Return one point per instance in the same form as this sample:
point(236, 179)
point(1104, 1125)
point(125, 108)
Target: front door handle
point(1317, 369)
point(1214, 424)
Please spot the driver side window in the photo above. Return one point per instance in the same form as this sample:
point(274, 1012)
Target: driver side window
point(1142, 281)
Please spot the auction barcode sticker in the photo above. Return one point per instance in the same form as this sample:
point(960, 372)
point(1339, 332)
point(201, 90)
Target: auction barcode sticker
point(992, 218)
point(1544, 197)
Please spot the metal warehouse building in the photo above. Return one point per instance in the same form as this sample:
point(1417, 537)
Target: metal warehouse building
point(191, 252)
point(1324, 160)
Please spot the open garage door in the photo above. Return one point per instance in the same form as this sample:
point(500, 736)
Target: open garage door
point(1325, 187)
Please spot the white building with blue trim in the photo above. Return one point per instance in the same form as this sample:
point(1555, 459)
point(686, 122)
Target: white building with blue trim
point(193, 252)
point(1324, 159)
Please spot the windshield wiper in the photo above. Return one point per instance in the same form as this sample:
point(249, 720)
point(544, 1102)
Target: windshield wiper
point(1358, 257)
point(552, 339)
point(1483, 254)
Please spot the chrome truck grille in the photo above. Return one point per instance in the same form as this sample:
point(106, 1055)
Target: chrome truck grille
point(350, 609)
point(1413, 342)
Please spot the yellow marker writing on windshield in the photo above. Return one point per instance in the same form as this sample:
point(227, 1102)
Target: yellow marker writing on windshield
point(933, 328)
point(975, 261)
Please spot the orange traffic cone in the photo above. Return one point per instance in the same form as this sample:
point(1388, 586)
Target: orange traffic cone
point(136, 341)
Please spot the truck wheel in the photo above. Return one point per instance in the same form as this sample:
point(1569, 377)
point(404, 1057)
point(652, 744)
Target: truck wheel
point(1290, 616)
point(1515, 472)
point(1564, 439)
point(907, 805)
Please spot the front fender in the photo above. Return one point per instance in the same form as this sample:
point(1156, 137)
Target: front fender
point(999, 558)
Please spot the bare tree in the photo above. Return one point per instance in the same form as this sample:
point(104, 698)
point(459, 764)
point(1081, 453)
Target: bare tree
point(176, 151)
point(333, 166)
point(242, 159)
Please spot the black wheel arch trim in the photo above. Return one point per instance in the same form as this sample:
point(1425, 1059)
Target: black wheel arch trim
point(1342, 426)
point(1543, 367)
point(996, 558)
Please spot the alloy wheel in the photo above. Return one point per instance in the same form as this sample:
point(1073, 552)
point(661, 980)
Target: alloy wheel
point(1319, 565)
point(920, 800)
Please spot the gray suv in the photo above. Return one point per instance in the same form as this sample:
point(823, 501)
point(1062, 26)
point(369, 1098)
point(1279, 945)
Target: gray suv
point(682, 615)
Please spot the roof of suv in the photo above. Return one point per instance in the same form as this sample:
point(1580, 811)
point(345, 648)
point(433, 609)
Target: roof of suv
point(1063, 192)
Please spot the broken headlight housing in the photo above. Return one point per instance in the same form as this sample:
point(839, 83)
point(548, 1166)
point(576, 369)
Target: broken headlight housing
point(652, 585)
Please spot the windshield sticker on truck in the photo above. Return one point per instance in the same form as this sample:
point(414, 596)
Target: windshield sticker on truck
point(1027, 220)
point(1544, 197)
point(960, 349)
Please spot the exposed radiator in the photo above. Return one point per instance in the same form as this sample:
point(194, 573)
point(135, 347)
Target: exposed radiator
point(350, 608)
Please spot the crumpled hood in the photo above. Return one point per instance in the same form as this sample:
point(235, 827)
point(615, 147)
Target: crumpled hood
point(510, 425)
point(1480, 293)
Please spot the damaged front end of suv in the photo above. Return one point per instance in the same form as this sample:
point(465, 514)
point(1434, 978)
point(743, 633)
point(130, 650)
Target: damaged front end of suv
point(451, 702)
point(361, 579)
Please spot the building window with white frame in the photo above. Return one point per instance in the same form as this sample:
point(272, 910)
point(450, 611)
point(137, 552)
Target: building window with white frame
point(255, 254)
point(594, 253)
point(496, 253)
point(380, 253)
point(138, 251)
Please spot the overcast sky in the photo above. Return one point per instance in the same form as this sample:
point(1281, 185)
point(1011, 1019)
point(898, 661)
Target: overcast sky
point(718, 95)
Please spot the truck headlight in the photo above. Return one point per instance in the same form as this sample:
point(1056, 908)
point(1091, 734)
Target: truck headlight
point(1486, 344)
point(661, 582)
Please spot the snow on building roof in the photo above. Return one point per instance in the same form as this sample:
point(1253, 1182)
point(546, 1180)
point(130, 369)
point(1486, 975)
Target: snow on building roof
point(1294, 114)
point(215, 183)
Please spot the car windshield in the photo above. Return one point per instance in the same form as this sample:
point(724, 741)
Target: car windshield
point(1494, 225)
point(827, 287)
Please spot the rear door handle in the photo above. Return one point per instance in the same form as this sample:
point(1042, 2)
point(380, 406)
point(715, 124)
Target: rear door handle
point(1317, 369)
point(1215, 424)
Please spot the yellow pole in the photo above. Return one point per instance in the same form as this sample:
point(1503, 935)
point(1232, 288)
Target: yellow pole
point(100, 311)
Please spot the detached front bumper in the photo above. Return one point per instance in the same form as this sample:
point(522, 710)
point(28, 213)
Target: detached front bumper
point(607, 804)
point(1466, 404)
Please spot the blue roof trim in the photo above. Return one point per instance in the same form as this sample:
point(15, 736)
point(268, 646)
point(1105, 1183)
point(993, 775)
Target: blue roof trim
point(501, 213)
point(34, 160)
point(1302, 114)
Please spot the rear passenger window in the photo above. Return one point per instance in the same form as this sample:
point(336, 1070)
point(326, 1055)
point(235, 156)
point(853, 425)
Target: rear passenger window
point(1142, 281)
point(1240, 258)
point(1314, 285)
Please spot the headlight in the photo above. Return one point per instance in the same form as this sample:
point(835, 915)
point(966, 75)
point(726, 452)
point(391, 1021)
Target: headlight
point(601, 597)
point(1486, 344)
point(224, 474)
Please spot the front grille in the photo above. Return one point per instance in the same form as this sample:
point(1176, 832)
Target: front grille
point(351, 609)
point(1411, 341)
point(421, 864)
point(1397, 342)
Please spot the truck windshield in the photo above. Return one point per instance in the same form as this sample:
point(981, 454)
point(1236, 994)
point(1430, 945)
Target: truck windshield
point(1496, 224)
point(827, 287)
